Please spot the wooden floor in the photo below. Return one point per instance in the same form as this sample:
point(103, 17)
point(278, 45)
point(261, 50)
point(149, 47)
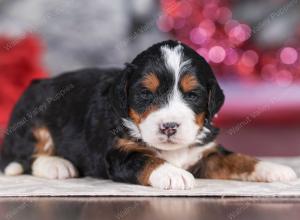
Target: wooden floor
point(148, 208)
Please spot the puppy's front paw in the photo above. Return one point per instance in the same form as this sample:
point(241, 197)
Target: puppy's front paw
point(271, 172)
point(168, 176)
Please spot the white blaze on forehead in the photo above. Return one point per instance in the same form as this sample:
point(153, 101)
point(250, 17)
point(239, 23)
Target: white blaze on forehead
point(174, 60)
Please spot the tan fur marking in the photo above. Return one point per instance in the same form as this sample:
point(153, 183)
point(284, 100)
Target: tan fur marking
point(151, 82)
point(215, 165)
point(223, 167)
point(200, 118)
point(188, 82)
point(131, 146)
point(137, 118)
point(44, 143)
point(151, 165)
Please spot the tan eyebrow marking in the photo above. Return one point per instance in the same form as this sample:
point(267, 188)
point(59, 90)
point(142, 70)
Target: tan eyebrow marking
point(188, 82)
point(151, 82)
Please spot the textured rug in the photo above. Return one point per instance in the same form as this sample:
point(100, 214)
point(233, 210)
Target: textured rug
point(32, 186)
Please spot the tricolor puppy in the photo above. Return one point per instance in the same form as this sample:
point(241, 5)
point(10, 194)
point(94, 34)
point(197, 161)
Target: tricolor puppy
point(149, 123)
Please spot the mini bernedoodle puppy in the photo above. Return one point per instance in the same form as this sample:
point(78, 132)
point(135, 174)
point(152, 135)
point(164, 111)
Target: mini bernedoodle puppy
point(149, 123)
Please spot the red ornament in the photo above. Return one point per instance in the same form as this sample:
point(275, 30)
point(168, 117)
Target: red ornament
point(20, 62)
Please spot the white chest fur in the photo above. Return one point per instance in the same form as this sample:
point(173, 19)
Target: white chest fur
point(185, 157)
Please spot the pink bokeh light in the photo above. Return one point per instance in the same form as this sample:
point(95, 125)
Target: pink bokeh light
point(288, 55)
point(198, 35)
point(208, 26)
point(231, 57)
point(217, 54)
point(239, 33)
point(249, 58)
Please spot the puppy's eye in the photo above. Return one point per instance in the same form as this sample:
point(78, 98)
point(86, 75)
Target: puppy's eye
point(146, 95)
point(193, 96)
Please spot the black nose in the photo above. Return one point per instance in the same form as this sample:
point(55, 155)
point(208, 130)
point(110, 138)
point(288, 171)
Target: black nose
point(169, 128)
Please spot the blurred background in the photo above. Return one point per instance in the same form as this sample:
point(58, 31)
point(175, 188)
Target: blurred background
point(253, 47)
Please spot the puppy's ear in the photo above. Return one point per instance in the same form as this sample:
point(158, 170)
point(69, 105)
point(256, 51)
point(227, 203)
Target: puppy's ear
point(215, 99)
point(119, 94)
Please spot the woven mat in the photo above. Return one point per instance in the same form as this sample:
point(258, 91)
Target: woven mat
point(32, 186)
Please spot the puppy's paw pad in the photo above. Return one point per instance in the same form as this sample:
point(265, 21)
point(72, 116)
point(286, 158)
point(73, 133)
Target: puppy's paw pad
point(271, 172)
point(170, 177)
point(53, 168)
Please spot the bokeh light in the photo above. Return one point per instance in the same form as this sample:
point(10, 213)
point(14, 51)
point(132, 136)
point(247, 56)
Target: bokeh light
point(231, 57)
point(208, 26)
point(249, 58)
point(229, 25)
point(288, 55)
point(198, 35)
point(216, 54)
point(239, 33)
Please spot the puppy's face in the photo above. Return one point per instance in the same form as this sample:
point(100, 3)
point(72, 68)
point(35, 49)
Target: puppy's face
point(168, 97)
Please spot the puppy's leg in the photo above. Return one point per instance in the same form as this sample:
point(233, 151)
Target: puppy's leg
point(131, 162)
point(221, 164)
point(32, 151)
point(45, 163)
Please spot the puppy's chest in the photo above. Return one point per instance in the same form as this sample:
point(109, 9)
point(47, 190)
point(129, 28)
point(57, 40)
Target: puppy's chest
point(185, 158)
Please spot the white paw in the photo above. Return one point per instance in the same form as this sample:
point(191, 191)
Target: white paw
point(271, 172)
point(13, 169)
point(168, 176)
point(53, 168)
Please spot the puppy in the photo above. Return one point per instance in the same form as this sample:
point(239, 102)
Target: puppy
point(149, 123)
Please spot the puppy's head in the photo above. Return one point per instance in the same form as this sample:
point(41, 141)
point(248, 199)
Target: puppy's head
point(167, 97)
